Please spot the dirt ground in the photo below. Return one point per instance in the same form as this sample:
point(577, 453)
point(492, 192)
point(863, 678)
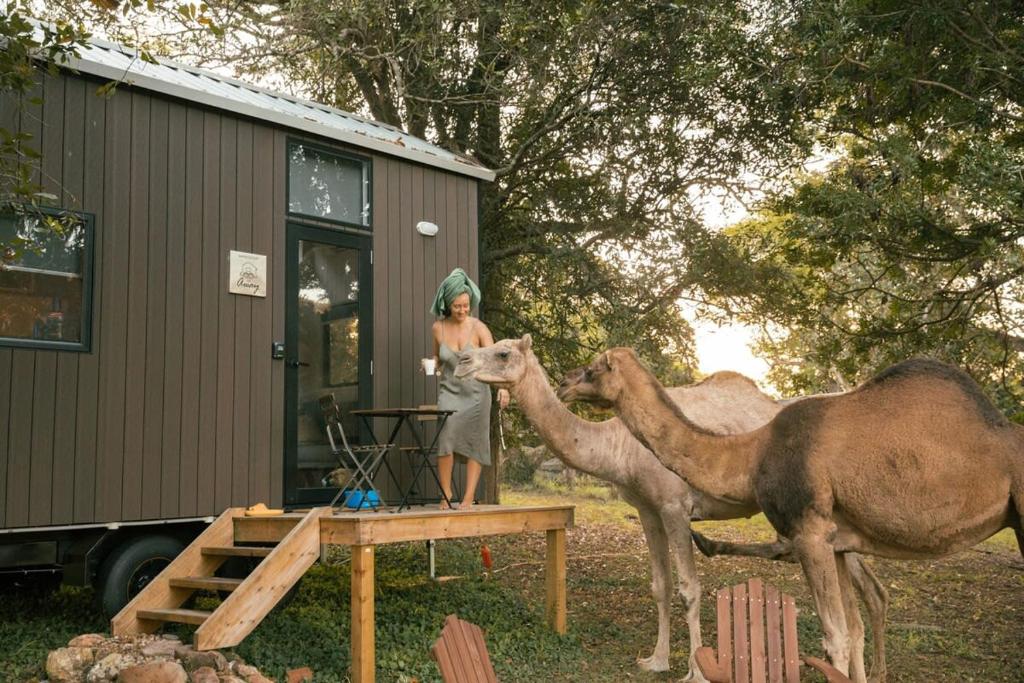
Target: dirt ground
point(956, 619)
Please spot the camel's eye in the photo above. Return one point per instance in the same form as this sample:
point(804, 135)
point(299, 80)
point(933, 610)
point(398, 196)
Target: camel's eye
point(503, 355)
point(588, 374)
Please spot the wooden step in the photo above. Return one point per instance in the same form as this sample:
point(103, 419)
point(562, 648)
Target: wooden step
point(243, 610)
point(159, 594)
point(206, 583)
point(178, 616)
point(235, 551)
point(265, 529)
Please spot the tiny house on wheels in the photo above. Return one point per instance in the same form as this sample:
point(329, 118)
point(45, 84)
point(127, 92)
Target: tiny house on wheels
point(236, 254)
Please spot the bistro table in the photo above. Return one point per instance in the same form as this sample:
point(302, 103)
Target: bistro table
point(421, 452)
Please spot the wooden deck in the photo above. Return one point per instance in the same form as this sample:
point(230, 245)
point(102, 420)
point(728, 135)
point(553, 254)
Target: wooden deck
point(298, 535)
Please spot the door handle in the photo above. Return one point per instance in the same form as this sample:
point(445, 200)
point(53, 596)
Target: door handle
point(297, 363)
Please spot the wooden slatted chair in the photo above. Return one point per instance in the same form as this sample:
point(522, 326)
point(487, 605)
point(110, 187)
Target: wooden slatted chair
point(461, 653)
point(746, 613)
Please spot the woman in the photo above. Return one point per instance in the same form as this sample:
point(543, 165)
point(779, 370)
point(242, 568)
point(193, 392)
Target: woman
point(467, 431)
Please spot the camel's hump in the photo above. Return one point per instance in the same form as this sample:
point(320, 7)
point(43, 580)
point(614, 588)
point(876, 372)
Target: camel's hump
point(727, 376)
point(914, 369)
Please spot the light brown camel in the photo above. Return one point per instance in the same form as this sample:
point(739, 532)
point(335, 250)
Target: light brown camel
point(916, 463)
point(726, 403)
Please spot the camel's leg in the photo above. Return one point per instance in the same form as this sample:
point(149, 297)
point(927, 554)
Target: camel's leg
point(854, 623)
point(876, 600)
point(1018, 528)
point(677, 524)
point(661, 587)
point(819, 565)
point(781, 549)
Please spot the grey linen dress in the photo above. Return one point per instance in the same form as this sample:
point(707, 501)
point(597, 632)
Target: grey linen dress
point(468, 431)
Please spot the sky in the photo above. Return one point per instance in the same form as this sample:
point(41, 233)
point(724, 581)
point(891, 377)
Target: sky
point(727, 347)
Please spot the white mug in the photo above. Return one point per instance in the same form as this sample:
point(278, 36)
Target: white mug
point(429, 366)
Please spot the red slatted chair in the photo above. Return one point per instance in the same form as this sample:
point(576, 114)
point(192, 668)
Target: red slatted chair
point(461, 653)
point(745, 614)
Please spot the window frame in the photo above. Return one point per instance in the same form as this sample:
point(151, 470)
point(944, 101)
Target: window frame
point(365, 161)
point(84, 345)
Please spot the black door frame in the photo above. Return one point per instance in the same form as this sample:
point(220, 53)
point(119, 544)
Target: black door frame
point(294, 233)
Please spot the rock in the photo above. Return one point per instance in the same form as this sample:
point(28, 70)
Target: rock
point(244, 670)
point(161, 648)
point(68, 664)
point(204, 674)
point(86, 640)
point(144, 658)
point(303, 675)
point(153, 672)
point(553, 465)
point(107, 668)
point(171, 636)
point(536, 454)
point(192, 660)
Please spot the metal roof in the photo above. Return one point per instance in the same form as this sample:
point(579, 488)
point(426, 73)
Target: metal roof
point(117, 63)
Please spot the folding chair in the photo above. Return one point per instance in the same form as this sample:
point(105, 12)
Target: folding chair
point(362, 462)
point(744, 653)
point(461, 653)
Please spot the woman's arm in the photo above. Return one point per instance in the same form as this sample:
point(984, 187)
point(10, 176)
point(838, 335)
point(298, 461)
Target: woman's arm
point(436, 331)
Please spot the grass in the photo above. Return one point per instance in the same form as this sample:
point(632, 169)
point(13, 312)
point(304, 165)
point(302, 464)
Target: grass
point(958, 619)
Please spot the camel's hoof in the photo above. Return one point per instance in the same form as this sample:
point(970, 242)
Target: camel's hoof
point(694, 677)
point(653, 663)
point(703, 544)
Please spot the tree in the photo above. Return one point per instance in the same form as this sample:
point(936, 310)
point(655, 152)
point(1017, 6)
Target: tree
point(911, 241)
point(603, 120)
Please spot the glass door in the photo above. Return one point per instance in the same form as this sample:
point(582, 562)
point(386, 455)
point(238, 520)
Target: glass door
point(328, 344)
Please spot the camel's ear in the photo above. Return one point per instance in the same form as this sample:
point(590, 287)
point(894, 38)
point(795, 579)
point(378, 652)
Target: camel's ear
point(526, 343)
point(608, 360)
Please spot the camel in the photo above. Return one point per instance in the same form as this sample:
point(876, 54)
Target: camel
point(726, 403)
point(914, 464)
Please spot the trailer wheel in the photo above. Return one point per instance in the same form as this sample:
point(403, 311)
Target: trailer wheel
point(130, 567)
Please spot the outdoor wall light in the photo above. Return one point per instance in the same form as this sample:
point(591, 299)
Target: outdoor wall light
point(426, 228)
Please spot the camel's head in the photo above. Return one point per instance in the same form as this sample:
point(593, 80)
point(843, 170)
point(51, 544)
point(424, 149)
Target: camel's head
point(503, 364)
point(599, 383)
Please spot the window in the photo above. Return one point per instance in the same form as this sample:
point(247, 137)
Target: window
point(328, 186)
point(45, 279)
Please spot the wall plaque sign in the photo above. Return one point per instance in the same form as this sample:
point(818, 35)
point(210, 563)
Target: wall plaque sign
point(247, 274)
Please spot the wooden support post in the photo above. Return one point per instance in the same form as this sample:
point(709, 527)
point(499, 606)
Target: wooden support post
point(554, 580)
point(363, 666)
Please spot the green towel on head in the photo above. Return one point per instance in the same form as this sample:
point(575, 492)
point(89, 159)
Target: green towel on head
point(452, 286)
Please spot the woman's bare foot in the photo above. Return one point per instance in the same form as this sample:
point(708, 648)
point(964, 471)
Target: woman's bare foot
point(445, 505)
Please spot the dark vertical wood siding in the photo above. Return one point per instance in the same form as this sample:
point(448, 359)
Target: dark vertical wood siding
point(88, 415)
point(9, 122)
point(407, 269)
point(178, 409)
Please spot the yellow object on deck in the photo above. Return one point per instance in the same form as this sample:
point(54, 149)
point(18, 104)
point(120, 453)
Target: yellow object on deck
point(261, 510)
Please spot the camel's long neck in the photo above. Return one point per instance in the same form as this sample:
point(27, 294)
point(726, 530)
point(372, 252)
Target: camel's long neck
point(720, 466)
point(580, 444)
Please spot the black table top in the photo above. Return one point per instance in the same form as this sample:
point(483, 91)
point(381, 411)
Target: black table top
point(399, 412)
